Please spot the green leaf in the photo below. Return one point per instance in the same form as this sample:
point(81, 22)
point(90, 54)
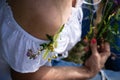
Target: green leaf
point(50, 37)
point(46, 53)
point(61, 29)
point(117, 17)
point(44, 45)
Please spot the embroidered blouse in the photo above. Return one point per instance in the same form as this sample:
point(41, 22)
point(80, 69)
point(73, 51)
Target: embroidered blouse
point(16, 43)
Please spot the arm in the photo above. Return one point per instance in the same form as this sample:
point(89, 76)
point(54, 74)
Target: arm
point(91, 68)
point(54, 73)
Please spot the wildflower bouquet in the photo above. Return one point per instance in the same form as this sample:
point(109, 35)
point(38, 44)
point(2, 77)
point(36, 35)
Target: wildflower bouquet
point(104, 28)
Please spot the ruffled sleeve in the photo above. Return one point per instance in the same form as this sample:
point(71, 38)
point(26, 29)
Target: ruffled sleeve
point(17, 44)
point(71, 33)
point(74, 27)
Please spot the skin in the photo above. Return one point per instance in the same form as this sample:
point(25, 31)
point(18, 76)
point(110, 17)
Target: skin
point(74, 3)
point(33, 17)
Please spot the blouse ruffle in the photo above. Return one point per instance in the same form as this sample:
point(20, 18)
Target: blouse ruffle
point(16, 42)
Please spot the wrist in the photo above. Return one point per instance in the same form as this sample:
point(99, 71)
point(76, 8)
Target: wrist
point(90, 73)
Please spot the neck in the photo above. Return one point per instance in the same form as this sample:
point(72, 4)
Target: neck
point(39, 17)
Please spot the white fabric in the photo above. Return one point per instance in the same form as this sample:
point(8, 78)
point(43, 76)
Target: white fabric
point(15, 42)
point(103, 75)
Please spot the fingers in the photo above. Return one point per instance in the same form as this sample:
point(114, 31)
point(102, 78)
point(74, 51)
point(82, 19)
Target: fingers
point(107, 46)
point(97, 60)
point(94, 46)
point(106, 51)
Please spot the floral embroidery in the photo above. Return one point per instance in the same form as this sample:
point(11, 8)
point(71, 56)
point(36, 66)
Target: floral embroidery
point(47, 48)
point(33, 55)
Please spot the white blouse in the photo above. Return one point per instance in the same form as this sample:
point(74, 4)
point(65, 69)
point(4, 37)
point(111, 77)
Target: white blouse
point(15, 42)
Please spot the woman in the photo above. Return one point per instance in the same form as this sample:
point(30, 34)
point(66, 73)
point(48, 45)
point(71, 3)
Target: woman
point(24, 25)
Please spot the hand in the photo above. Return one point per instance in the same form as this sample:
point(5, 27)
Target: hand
point(97, 59)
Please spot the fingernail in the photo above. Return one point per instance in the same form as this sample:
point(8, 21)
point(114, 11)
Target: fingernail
point(93, 41)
